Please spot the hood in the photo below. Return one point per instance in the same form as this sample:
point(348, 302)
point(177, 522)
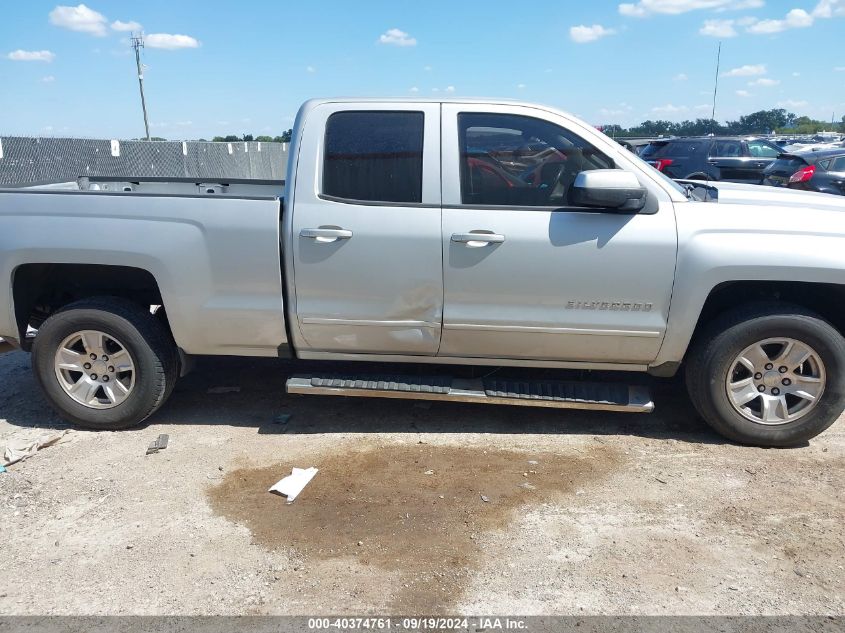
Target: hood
point(737, 193)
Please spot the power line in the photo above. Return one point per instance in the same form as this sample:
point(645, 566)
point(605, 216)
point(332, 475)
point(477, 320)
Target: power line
point(138, 44)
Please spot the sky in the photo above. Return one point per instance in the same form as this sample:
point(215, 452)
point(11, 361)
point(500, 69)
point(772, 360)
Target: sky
point(217, 68)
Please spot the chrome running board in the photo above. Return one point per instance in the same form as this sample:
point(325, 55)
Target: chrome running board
point(534, 393)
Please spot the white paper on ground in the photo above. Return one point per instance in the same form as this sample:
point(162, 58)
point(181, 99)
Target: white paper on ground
point(293, 484)
point(20, 449)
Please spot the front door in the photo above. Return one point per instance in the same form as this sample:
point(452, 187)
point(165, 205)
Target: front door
point(366, 230)
point(527, 275)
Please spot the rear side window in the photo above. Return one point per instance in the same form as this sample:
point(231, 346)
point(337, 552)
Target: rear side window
point(374, 156)
point(838, 164)
point(726, 149)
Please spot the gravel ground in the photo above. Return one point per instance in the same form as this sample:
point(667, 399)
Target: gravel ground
point(418, 508)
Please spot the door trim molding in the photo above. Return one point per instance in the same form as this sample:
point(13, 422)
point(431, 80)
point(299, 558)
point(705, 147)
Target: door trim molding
point(367, 322)
point(527, 329)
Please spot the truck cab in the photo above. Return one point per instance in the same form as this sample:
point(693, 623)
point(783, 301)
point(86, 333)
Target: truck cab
point(451, 230)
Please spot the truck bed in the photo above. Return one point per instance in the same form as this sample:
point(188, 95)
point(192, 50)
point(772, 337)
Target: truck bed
point(215, 257)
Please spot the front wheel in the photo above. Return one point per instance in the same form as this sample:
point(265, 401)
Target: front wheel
point(768, 375)
point(105, 363)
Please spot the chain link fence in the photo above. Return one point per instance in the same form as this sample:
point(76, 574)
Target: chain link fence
point(34, 161)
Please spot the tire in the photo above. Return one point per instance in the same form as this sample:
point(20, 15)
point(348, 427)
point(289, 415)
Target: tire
point(715, 353)
point(151, 351)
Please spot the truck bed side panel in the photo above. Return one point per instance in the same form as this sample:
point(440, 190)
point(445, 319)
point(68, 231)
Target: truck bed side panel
point(216, 260)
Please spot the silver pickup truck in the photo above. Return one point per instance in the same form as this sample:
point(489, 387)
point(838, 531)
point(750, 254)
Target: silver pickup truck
point(444, 233)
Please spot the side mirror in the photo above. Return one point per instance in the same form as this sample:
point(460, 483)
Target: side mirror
point(609, 189)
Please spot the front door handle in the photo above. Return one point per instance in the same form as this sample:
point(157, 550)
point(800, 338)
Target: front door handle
point(474, 239)
point(326, 235)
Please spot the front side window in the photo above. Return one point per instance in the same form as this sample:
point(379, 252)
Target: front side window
point(374, 156)
point(512, 160)
point(761, 149)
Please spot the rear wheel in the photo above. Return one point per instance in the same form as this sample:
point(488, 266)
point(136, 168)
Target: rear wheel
point(105, 363)
point(770, 375)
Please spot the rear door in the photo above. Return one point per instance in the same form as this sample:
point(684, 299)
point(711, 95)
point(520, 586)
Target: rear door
point(366, 229)
point(527, 275)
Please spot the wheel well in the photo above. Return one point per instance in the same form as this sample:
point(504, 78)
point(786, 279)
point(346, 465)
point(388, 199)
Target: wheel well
point(825, 299)
point(39, 290)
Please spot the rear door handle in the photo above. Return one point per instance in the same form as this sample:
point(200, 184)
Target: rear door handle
point(326, 235)
point(478, 239)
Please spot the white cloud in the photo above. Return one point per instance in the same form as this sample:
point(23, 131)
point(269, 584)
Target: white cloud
point(623, 108)
point(791, 103)
point(79, 18)
point(839, 69)
point(795, 19)
point(718, 28)
point(170, 42)
point(829, 9)
point(117, 25)
point(764, 82)
point(680, 77)
point(520, 86)
point(414, 89)
point(796, 74)
point(427, 69)
point(31, 56)
point(703, 106)
point(583, 34)
point(743, 93)
point(48, 79)
point(749, 70)
point(450, 89)
point(395, 37)
point(310, 69)
point(669, 109)
point(799, 18)
point(676, 7)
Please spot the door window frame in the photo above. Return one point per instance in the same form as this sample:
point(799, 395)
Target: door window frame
point(451, 144)
point(309, 176)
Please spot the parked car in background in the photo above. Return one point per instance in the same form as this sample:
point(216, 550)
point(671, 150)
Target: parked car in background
point(712, 158)
point(636, 145)
point(822, 171)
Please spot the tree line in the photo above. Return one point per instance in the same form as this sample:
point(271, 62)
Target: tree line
point(262, 138)
point(777, 120)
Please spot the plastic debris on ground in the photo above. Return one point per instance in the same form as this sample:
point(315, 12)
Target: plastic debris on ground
point(216, 390)
point(293, 484)
point(18, 450)
point(158, 444)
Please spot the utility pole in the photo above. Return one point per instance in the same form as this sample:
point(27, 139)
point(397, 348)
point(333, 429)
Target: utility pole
point(138, 44)
point(716, 82)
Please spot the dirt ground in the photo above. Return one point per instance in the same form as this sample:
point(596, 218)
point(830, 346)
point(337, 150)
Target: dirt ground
point(418, 508)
